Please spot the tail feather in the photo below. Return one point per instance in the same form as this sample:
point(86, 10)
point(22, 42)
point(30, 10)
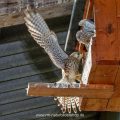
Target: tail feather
point(73, 104)
point(68, 103)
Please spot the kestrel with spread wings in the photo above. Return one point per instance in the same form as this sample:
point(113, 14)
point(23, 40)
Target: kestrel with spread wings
point(69, 64)
point(48, 40)
point(85, 34)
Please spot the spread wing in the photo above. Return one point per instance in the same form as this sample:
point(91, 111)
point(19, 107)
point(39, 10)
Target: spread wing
point(44, 37)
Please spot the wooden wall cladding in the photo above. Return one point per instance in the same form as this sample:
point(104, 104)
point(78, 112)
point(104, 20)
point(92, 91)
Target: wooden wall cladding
point(106, 26)
point(106, 55)
point(118, 8)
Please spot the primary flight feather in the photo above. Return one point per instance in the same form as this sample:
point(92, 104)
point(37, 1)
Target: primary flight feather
point(48, 40)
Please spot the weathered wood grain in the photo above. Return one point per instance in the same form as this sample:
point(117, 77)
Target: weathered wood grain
point(105, 54)
point(96, 104)
point(118, 8)
point(25, 105)
point(8, 1)
point(114, 102)
point(21, 83)
point(47, 12)
point(86, 91)
point(30, 57)
point(24, 44)
point(118, 33)
point(17, 47)
point(26, 70)
point(104, 74)
point(106, 37)
point(21, 59)
point(13, 96)
point(31, 113)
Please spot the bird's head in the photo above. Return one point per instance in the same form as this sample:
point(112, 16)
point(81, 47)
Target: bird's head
point(77, 55)
point(82, 22)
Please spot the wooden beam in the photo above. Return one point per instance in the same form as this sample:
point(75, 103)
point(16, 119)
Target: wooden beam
point(86, 91)
point(47, 13)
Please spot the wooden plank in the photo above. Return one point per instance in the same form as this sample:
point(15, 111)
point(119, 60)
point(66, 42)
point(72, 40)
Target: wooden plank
point(107, 64)
point(26, 58)
point(96, 104)
point(47, 12)
point(22, 59)
point(17, 47)
point(59, 25)
point(6, 9)
point(8, 1)
point(32, 113)
point(114, 102)
point(118, 8)
point(24, 44)
point(82, 103)
point(13, 96)
point(25, 105)
point(21, 83)
point(106, 41)
point(118, 34)
point(92, 73)
point(104, 74)
point(26, 70)
point(87, 91)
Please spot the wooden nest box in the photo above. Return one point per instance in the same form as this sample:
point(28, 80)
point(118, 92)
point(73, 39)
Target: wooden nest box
point(102, 92)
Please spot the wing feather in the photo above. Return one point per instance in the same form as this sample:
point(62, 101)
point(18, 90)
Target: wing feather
point(44, 37)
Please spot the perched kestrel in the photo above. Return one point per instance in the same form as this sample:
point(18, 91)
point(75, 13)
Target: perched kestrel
point(86, 33)
point(87, 25)
point(48, 40)
point(84, 36)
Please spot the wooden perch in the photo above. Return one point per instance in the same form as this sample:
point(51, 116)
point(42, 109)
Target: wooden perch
point(86, 91)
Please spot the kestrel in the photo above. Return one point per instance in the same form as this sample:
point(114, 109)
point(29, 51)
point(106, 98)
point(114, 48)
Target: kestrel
point(84, 36)
point(86, 33)
point(69, 64)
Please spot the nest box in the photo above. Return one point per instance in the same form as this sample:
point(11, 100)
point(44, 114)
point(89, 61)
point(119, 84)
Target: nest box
point(102, 91)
